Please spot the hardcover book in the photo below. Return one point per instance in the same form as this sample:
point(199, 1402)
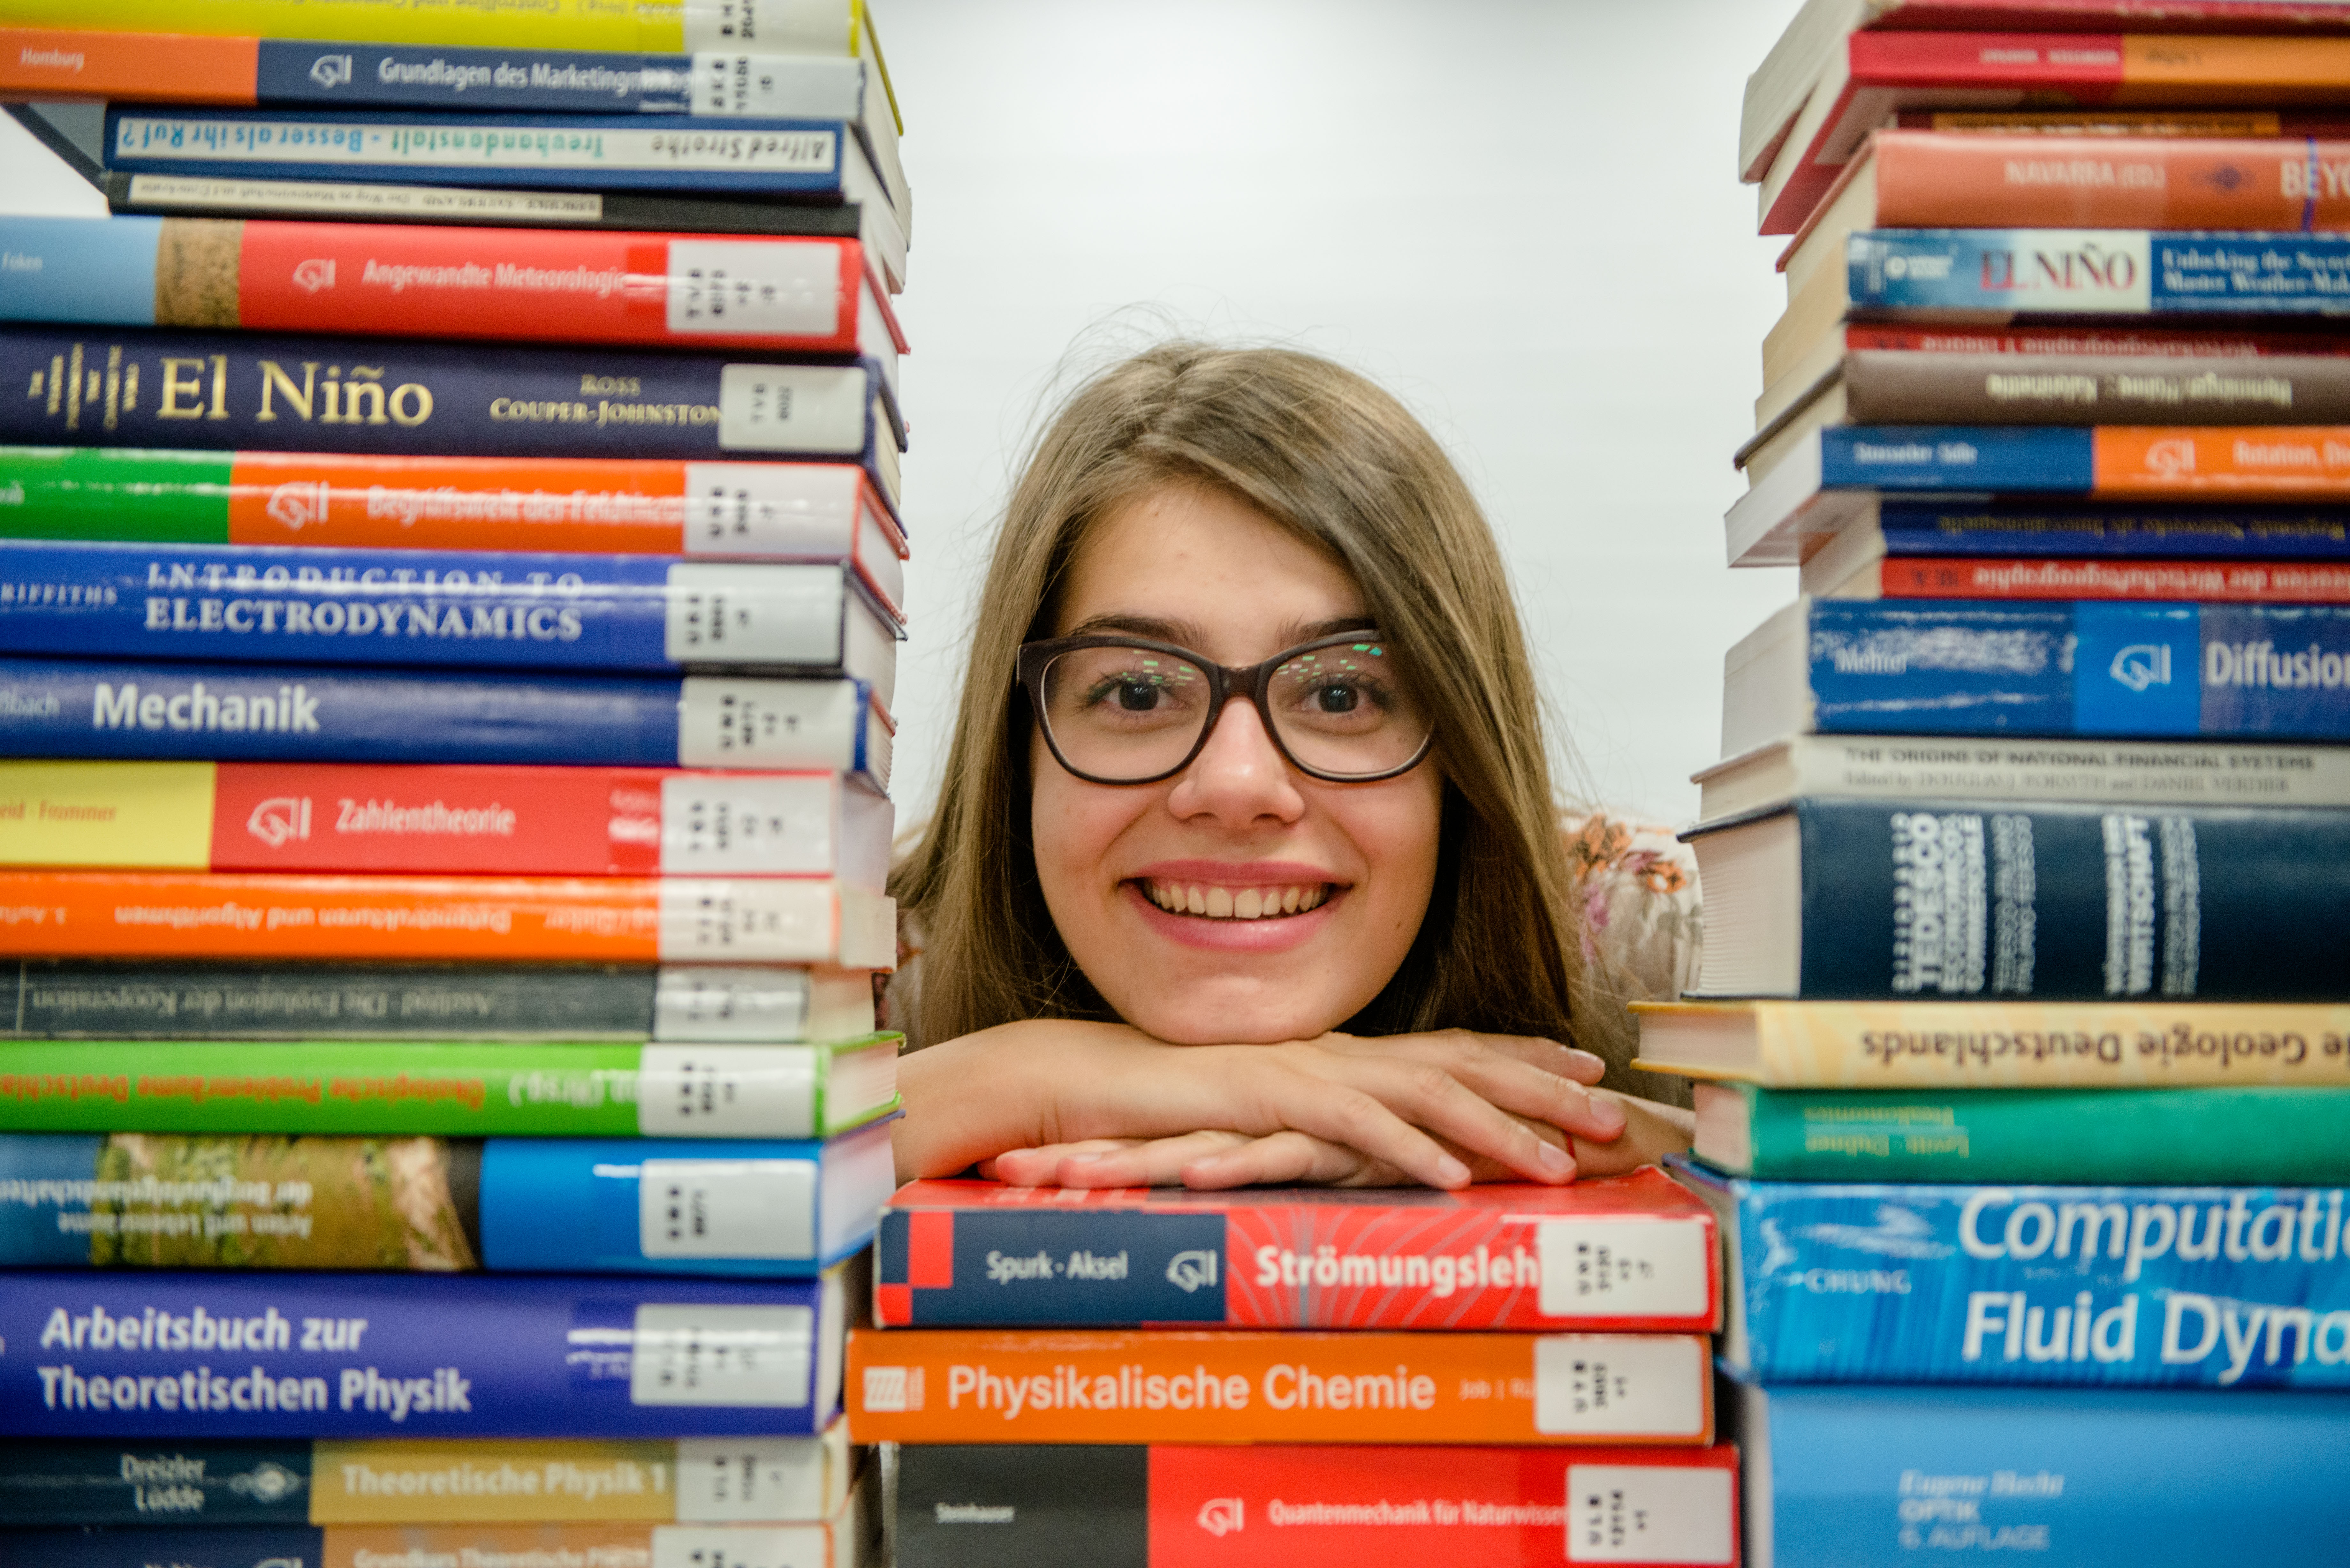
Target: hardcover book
point(439, 1205)
point(788, 26)
point(839, 1542)
point(1009, 1506)
point(424, 1355)
point(1627, 1252)
point(2136, 582)
point(567, 1089)
point(1238, 1386)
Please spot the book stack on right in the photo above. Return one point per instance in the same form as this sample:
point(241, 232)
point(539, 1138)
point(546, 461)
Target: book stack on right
point(2020, 1023)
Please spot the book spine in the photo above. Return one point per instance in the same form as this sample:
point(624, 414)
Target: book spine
point(1908, 388)
point(2003, 272)
point(2194, 1136)
point(1295, 1266)
point(420, 1356)
point(58, 1484)
point(363, 1546)
point(2283, 460)
point(70, 707)
point(1234, 1386)
point(1972, 578)
point(591, 152)
point(61, 62)
point(214, 390)
point(783, 295)
point(546, 920)
point(479, 609)
point(246, 1546)
point(2010, 458)
point(2083, 341)
point(1926, 180)
point(1966, 527)
point(2087, 669)
point(558, 23)
point(2129, 1287)
point(2120, 1478)
point(1317, 1506)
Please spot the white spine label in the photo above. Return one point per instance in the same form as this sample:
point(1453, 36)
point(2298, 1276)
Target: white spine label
point(770, 509)
point(727, 1208)
point(778, 87)
point(770, 826)
point(730, 1003)
point(748, 922)
point(721, 1480)
point(736, 1546)
point(704, 1354)
point(1649, 1514)
point(1620, 1385)
point(736, 614)
point(792, 408)
point(1623, 1268)
point(783, 286)
point(740, 723)
point(726, 1091)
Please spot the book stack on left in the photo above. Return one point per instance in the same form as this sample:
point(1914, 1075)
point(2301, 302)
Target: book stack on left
point(1508, 1376)
point(446, 653)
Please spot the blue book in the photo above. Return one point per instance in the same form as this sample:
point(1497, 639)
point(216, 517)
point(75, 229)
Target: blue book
point(70, 708)
point(416, 1355)
point(1905, 525)
point(480, 610)
point(1966, 667)
point(2207, 1287)
point(247, 1546)
point(742, 1207)
point(1890, 1478)
point(131, 387)
point(2001, 274)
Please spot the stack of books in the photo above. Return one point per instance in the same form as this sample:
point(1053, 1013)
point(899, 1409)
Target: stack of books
point(1507, 1375)
point(2021, 1011)
point(451, 582)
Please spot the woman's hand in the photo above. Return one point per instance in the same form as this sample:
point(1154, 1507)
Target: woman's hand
point(1428, 1108)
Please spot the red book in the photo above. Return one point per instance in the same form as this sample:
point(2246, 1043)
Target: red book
point(1633, 1252)
point(2210, 582)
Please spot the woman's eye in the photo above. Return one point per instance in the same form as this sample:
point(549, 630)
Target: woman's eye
point(1136, 696)
point(1336, 699)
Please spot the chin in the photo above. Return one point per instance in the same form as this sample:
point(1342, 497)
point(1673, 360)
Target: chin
point(1209, 1013)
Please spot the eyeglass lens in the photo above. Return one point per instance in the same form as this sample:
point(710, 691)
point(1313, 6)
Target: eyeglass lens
point(1122, 712)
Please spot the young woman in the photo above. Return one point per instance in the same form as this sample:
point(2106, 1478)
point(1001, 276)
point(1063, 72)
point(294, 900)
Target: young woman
point(1247, 867)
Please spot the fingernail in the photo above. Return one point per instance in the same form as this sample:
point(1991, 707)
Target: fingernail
point(1082, 1158)
point(1450, 1172)
point(1607, 1112)
point(1555, 1160)
point(1582, 1057)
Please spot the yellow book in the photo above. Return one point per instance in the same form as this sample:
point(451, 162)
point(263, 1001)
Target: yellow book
point(156, 816)
point(1996, 1045)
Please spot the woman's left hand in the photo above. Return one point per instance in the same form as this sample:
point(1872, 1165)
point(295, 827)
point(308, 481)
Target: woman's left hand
point(1215, 1161)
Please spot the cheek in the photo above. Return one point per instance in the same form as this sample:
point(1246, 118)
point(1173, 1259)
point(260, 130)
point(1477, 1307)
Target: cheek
point(1073, 824)
point(1396, 828)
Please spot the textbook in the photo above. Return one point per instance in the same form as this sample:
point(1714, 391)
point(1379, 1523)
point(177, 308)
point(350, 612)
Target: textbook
point(2056, 901)
point(99, 999)
point(840, 1543)
point(2090, 1478)
point(2001, 773)
point(417, 1356)
point(546, 286)
point(479, 609)
point(1874, 529)
point(650, 1205)
point(445, 1088)
point(2137, 582)
point(1827, 475)
point(2004, 1045)
point(2232, 1135)
point(1623, 1254)
point(2210, 1287)
point(815, 512)
point(547, 919)
point(231, 391)
point(473, 821)
point(1974, 667)
point(71, 708)
point(1166, 1506)
point(1236, 1386)
point(405, 1480)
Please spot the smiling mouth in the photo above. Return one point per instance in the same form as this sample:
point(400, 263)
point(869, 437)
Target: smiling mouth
point(1212, 901)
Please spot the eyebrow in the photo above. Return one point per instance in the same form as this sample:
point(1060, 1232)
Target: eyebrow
point(1187, 634)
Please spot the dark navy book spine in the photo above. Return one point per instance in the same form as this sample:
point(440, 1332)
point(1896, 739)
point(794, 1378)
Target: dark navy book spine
point(417, 1356)
point(2057, 460)
point(128, 386)
point(1031, 1267)
point(1919, 899)
point(285, 1546)
point(178, 1484)
point(2113, 530)
point(545, 81)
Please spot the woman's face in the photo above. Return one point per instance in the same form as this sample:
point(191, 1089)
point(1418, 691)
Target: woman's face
point(1207, 571)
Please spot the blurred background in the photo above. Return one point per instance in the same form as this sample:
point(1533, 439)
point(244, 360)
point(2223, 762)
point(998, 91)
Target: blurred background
point(1522, 217)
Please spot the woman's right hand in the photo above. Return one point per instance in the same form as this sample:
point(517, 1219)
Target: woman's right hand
point(1405, 1103)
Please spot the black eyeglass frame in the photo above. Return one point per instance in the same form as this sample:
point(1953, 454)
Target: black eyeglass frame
point(1225, 681)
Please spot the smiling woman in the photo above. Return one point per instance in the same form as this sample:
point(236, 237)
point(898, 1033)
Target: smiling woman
point(1248, 868)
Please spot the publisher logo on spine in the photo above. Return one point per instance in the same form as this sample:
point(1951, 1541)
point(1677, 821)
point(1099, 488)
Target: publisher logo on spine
point(280, 820)
point(2141, 665)
point(1223, 1516)
point(892, 1391)
point(299, 503)
point(1194, 1270)
point(331, 71)
point(318, 272)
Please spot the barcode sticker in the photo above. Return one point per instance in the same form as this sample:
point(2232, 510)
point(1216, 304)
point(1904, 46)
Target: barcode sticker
point(727, 1207)
point(1649, 1514)
point(743, 286)
point(726, 1091)
point(1620, 1384)
point(724, 1546)
point(1623, 1268)
point(734, 1356)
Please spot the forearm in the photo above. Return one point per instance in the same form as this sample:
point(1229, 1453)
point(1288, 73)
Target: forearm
point(972, 1098)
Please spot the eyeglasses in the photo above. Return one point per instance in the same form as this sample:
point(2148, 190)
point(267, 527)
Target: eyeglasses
point(1125, 709)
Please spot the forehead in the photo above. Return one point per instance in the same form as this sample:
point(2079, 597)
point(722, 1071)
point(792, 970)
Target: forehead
point(1207, 560)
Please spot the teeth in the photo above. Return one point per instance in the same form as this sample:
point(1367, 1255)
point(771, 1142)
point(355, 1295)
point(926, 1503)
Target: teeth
point(1220, 903)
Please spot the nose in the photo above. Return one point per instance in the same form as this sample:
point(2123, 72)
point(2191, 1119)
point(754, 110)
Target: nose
point(1239, 776)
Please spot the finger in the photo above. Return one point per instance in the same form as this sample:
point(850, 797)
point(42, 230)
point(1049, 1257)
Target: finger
point(1567, 1061)
point(1328, 1106)
point(1157, 1162)
point(1428, 1095)
point(1496, 1067)
point(1039, 1167)
point(1282, 1159)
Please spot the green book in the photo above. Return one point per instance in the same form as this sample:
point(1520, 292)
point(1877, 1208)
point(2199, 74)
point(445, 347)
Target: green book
point(2291, 1136)
point(131, 494)
point(459, 1090)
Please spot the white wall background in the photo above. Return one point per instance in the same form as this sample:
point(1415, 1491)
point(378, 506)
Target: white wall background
point(1521, 215)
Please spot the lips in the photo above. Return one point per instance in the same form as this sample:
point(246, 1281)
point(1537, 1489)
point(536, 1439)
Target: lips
point(1222, 901)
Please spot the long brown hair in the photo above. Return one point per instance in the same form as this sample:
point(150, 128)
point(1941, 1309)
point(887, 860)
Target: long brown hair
point(1342, 465)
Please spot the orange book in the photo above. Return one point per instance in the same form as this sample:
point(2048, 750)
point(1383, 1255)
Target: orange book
point(44, 62)
point(1936, 179)
point(537, 920)
point(2178, 460)
point(979, 1386)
